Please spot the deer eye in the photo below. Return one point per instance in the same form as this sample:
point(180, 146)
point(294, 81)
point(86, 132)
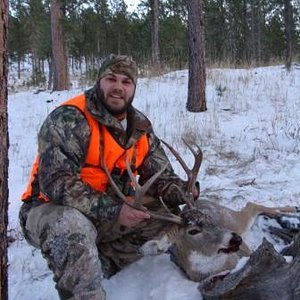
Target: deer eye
point(194, 231)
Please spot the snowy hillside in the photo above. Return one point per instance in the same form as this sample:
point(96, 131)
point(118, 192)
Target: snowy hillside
point(250, 137)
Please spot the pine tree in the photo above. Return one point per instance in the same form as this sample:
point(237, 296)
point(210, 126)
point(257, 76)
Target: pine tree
point(155, 33)
point(3, 150)
point(19, 34)
point(288, 22)
point(60, 61)
point(119, 34)
point(197, 77)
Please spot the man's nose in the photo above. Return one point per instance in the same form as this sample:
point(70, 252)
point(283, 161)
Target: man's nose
point(118, 85)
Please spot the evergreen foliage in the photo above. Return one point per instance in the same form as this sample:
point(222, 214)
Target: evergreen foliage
point(237, 32)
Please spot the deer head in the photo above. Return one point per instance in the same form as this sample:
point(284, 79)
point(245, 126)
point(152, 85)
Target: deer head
point(199, 246)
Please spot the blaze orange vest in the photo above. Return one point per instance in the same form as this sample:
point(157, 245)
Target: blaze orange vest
point(113, 154)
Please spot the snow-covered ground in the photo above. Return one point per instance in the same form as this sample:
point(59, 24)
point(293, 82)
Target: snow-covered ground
point(250, 136)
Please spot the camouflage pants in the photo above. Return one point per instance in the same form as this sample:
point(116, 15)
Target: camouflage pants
point(78, 251)
point(119, 246)
point(67, 240)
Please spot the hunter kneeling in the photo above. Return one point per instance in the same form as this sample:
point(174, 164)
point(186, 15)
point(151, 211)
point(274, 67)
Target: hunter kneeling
point(70, 210)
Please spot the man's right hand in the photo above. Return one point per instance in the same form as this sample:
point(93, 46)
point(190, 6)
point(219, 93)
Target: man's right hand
point(131, 217)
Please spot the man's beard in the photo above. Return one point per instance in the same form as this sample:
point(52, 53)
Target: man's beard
point(111, 110)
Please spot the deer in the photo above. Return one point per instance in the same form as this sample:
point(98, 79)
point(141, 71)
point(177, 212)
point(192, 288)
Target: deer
point(205, 238)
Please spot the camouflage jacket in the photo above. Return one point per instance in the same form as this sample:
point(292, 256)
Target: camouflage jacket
point(63, 143)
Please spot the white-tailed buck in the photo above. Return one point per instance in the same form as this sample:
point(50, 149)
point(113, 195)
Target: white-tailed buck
point(205, 237)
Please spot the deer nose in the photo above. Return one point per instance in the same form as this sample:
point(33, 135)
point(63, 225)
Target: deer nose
point(235, 239)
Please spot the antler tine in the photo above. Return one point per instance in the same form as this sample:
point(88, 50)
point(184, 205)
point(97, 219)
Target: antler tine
point(191, 173)
point(140, 192)
point(117, 190)
point(198, 156)
point(177, 156)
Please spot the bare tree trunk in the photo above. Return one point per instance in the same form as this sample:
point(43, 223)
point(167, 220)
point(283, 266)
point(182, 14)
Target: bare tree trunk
point(155, 34)
point(60, 62)
point(256, 21)
point(254, 32)
point(3, 150)
point(197, 77)
point(19, 67)
point(288, 22)
point(50, 79)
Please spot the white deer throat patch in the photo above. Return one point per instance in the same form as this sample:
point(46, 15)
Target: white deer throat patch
point(207, 264)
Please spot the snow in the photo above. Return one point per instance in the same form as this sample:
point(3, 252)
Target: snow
point(250, 136)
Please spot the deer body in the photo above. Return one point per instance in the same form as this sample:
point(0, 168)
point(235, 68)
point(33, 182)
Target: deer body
point(205, 237)
point(212, 245)
point(239, 221)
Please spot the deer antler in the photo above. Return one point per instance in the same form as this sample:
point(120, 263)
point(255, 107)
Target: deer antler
point(140, 192)
point(191, 173)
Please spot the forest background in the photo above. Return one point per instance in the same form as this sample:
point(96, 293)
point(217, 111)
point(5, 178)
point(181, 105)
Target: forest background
point(237, 33)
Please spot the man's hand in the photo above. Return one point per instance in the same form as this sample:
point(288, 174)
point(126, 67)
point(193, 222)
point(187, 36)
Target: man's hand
point(131, 217)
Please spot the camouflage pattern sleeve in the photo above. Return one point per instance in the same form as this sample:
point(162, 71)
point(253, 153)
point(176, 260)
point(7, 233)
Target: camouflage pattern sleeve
point(164, 185)
point(62, 145)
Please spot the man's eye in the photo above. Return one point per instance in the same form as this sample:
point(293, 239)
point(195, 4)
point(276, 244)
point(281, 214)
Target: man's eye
point(127, 82)
point(110, 79)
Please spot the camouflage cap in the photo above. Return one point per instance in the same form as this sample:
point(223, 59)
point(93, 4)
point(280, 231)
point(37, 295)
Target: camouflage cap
point(119, 64)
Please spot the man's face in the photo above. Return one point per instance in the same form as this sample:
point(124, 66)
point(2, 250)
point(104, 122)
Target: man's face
point(118, 91)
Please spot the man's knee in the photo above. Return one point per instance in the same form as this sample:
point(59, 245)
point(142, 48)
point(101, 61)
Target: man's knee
point(56, 221)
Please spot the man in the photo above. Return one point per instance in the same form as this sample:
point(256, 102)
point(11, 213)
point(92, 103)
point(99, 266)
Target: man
point(70, 210)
